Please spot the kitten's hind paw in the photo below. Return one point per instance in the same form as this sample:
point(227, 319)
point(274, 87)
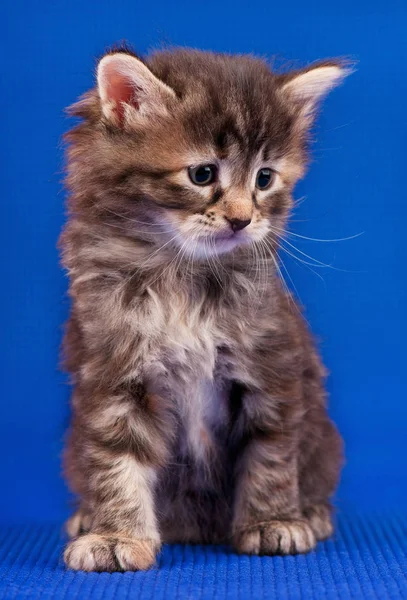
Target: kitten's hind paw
point(93, 552)
point(276, 537)
point(78, 523)
point(320, 520)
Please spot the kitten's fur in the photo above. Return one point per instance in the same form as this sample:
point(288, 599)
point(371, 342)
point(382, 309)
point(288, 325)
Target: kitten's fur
point(199, 412)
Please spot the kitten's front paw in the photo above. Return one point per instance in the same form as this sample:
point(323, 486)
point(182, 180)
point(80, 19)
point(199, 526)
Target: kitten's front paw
point(276, 537)
point(93, 552)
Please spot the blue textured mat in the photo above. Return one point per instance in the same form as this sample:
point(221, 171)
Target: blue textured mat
point(366, 559)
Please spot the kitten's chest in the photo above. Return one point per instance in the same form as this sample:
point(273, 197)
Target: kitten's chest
point(186, 371)
point(188, 339)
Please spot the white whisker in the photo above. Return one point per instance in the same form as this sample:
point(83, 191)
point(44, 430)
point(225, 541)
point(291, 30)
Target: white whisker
point(136, 231)
point(210, 264)
point(149, 257)
point(288, 292)
point(263, 270)
point(316, 262)
point(300, 201)
point(301, 260)
point(126, 218)
point(174, 259)
point(304, 237)
point(305, 263)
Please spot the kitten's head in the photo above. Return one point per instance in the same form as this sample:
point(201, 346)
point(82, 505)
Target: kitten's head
point(194, 149)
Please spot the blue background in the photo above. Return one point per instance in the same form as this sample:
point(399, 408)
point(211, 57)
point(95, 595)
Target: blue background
point(356, 183)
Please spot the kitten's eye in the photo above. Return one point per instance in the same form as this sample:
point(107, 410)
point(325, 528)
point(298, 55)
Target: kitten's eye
point(264, 179)
point(202, 174)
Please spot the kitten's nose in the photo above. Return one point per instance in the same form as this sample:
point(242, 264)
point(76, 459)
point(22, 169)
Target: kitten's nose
point(238, 224)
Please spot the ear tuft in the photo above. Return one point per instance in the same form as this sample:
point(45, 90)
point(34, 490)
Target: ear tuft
point(128, 89)
point(307, 88)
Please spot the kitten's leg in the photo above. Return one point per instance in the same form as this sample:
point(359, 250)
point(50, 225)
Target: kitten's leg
point(288, 470)
point(116, 451)
point(321, 458)
point(267, 515)
point(123, 535)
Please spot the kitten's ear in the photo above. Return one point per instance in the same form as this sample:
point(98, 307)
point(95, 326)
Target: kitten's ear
point(129, 90)
point(307, 88)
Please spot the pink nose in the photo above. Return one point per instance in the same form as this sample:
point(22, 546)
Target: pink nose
point(238, 224)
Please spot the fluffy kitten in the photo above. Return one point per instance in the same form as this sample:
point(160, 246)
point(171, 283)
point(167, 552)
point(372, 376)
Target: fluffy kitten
point(199, 412)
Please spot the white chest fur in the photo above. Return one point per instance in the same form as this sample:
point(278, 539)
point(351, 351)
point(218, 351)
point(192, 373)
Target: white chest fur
point(184, 366)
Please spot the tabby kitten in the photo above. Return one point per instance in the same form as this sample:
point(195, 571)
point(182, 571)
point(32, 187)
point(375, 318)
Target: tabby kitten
point(199, 410)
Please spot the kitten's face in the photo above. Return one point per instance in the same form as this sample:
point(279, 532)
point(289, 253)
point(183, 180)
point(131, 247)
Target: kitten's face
point(202, 149)
point(229, 196)
point(217, 191)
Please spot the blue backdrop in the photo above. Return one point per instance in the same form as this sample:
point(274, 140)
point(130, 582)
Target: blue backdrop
point(356, 184)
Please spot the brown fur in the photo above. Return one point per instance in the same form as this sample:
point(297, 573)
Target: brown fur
point(199, 410)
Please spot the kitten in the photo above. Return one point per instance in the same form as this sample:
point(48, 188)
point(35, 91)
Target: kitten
point(199, 410)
